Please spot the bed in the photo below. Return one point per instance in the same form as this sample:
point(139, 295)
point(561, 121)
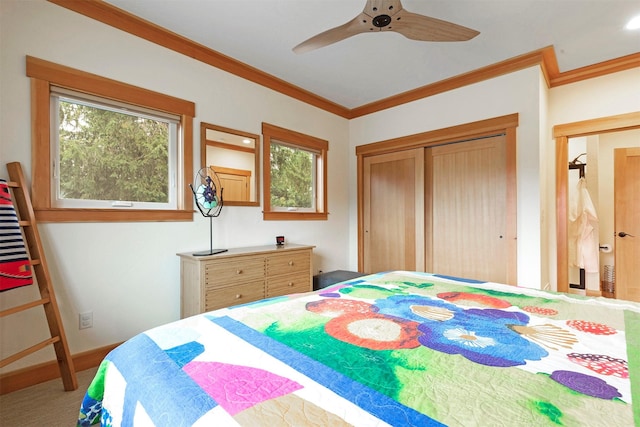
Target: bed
point(395, 348)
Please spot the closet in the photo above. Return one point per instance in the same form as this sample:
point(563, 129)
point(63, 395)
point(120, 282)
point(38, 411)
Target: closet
point(441, 201)
point(394, 211)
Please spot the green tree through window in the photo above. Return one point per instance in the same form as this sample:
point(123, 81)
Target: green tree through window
point(108, 155)
point(291, 177)
point(295, 175)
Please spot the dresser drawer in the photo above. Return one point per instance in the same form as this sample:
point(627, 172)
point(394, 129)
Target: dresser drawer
point(242, 275)
point(291, 262)
point(233, 295)
point(289, 284)
point(224, 272)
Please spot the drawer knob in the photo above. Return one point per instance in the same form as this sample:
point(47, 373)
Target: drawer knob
point(238, 296)
point(290, 283)
point(238, 271)
point(290, 262)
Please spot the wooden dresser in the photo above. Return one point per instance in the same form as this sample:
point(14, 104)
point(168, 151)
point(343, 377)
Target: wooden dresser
point(242, 275)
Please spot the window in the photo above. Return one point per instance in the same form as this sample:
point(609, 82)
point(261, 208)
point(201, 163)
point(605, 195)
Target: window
point(107, 151)
point(111, 155)
point(295, 175)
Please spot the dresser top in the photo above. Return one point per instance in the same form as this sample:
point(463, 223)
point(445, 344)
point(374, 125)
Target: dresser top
point(248, 251)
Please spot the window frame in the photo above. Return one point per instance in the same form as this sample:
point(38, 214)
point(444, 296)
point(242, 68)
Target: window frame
point(60, 96)
point(45, 74)
point(300, 141)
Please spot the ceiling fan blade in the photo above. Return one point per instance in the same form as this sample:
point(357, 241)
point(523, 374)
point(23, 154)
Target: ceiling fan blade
point(356, 26)
point(424, 28)
point(389, 15)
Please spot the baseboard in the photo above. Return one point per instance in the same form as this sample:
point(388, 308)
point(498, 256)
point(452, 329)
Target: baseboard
point(36, 374)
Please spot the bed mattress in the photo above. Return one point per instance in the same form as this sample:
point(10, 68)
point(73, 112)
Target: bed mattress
point(389, 349)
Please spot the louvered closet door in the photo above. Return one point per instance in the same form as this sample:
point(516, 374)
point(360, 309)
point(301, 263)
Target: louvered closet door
point(393, 211)
point(468, 192)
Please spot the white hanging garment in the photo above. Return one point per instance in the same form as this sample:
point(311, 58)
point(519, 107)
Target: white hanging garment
point(583, 230)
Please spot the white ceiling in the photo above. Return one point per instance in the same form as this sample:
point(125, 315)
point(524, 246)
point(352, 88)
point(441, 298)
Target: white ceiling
point(373, 66)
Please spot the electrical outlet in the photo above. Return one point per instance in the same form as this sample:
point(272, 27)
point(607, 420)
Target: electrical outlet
point(85, 320)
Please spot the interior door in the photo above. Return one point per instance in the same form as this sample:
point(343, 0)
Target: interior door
point(627, 222)
point(468, 224)
point(393, 211)
point(235, 183)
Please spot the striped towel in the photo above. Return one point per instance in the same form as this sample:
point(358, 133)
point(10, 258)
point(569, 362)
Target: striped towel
point(15, 268)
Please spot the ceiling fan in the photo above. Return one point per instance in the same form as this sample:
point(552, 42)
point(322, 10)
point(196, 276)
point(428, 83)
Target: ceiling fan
point(389, 15)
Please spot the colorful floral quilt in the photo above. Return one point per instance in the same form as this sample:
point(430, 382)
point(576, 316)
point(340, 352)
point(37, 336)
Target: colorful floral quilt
point(395, 348)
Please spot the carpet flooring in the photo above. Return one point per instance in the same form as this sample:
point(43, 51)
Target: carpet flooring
point(45, 404)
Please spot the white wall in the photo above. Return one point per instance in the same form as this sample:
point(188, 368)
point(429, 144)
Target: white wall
point(128, 273)
point(604, 96)
point(517, 92)
point(546, 173)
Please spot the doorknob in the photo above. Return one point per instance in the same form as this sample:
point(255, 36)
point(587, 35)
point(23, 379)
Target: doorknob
point(623, 234)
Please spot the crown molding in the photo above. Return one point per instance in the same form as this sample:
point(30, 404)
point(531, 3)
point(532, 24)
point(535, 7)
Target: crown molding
point(596, 70)
point(545, 58)
point(108, 14)
point(485, 73)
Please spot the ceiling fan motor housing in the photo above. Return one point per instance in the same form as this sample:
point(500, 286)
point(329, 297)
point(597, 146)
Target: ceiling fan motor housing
point(381, 13)
point(381, 21)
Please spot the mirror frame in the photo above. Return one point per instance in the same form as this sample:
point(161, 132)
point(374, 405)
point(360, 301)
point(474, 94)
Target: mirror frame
point(256, 154)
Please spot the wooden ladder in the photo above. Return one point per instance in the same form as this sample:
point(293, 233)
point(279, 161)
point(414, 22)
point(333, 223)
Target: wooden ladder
point(27, 222)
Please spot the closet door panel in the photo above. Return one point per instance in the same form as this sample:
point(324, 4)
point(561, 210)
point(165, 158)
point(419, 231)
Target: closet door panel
point(393, 211)
point(468, 229)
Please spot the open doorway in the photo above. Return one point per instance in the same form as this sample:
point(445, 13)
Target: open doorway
point(600, 139)
point(595, 213)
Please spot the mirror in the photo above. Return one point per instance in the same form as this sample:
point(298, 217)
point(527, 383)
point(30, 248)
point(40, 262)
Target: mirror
point(235, 157)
